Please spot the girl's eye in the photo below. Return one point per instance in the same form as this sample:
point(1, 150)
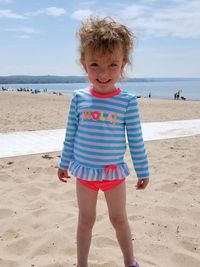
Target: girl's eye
point(93, 65)
point(113, 65)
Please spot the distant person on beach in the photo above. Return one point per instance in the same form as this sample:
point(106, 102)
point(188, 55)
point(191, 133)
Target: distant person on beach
point(95, 143)
point(175, 96)
point(178, 94)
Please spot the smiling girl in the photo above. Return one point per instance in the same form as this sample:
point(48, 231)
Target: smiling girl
point(95, 141)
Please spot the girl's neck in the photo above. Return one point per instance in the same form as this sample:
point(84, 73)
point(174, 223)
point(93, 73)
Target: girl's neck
point(115, 92)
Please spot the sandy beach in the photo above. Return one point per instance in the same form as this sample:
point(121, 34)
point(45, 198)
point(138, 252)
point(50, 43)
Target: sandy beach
point(38, 214)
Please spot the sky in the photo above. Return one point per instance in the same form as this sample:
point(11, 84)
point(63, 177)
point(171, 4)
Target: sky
point(39, 37)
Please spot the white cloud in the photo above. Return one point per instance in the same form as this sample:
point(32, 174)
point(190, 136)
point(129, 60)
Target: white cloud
point(179, 19)
point(5, 2)
point(55, 11)
point(27, 30)
point(134, 11)
point(7, 13)
point(50, 11)
point(23, 32)
point(24, 36)
point(176, 18)
point(82, 14)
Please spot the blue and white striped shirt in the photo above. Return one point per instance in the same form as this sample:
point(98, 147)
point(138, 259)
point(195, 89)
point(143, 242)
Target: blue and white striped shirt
point(95, 141)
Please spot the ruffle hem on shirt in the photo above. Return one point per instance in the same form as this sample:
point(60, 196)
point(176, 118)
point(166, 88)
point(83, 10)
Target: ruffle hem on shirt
point(98, 174)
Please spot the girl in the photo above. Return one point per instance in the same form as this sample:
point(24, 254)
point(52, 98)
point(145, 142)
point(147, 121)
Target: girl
point(95, 142)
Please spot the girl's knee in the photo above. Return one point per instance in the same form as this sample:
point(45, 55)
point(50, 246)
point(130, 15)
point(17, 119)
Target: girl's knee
point(86, 221)
point(118, 221)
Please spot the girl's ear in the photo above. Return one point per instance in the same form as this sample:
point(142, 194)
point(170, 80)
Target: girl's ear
point(123, 65)
point(83, 64)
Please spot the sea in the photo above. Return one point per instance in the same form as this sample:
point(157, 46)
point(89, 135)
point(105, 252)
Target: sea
point(190, 89)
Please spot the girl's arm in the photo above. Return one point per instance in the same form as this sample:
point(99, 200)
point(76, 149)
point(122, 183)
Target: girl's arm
point(135, 140)
point(68, 144)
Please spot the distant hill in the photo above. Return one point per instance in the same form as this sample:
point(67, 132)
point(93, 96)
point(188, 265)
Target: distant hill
point(24, 79)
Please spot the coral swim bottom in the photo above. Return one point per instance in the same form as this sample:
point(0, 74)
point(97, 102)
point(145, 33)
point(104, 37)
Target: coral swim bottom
point(103, 185)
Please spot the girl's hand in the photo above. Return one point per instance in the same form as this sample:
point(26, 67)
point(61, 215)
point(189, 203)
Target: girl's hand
point(142, 184)
point(63, 175)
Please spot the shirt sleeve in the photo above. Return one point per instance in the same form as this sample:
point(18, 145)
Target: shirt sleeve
point(135, 139)
point(68, 144)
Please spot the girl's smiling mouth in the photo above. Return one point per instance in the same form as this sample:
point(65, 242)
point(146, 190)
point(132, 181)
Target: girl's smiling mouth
point(103, 82)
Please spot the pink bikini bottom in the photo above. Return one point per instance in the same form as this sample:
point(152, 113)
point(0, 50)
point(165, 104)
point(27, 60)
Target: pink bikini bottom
point(103, 185)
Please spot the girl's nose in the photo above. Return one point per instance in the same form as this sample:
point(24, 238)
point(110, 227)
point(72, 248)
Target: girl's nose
point(103, 72)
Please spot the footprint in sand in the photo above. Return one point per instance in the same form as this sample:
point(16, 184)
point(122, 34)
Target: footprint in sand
point(170, 187)
point(5, 177)
point(135, 218)
point(20, 180)
point(8, 263)
point(32, 191)
point(5, 213)
point(167, 211)
point(19, 247)
point(195, 168)
point(191, 245)
point(56, 264)
point(185, 260)
point(40, 212)
point(102, 242)
point(10, 234)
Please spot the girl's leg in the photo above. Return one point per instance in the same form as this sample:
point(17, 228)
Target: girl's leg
point(116, 201)
point(87, 199)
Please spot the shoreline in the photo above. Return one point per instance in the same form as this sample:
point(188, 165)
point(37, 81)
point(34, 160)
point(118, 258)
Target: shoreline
point(70, 93)
point(158, 89)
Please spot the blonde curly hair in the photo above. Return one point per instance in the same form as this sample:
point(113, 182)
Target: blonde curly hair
point(104, 35)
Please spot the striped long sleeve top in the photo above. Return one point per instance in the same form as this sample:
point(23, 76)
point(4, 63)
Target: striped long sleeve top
point(95, 140)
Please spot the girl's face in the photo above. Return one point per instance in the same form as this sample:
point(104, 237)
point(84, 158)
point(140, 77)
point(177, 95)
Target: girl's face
point(104, 70)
